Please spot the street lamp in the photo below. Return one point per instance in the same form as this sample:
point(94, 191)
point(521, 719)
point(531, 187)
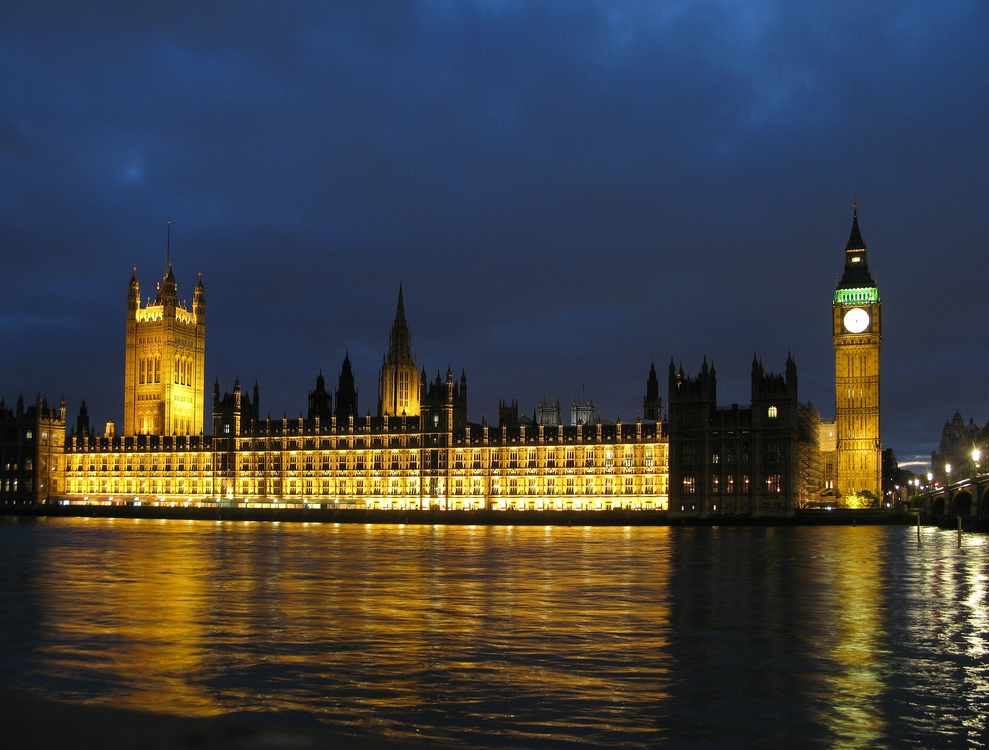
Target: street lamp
point(930, 480)
point(976, 455)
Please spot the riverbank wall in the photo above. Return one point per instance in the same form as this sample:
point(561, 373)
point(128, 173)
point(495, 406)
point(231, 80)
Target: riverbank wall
point(837, 517)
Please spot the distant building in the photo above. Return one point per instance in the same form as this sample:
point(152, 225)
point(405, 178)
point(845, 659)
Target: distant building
point(508, 413)
point(898, 484)
point(549, 415)
point(582, 412)
point(953, 459)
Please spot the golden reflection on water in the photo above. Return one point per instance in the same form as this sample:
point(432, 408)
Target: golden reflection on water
point(949, 617)
point(904, 623)
point(133, 610)
point(356, 622)
point(858, 644)
point(842, 637)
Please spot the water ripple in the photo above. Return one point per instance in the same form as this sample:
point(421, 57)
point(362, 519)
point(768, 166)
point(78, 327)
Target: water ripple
point(502, 636)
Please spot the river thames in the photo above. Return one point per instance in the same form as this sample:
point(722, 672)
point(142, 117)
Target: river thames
point(496, 636)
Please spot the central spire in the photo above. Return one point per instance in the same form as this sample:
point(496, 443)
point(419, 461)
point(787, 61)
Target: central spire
point(400, 341)
point(399, 385)
point(400, 312)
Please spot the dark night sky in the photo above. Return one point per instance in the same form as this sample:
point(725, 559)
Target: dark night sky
point(568, 191)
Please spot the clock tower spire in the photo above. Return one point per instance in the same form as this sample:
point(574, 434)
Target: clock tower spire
point(857, 331)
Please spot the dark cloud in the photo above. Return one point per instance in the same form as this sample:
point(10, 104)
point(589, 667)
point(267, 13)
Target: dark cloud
point(568, 191)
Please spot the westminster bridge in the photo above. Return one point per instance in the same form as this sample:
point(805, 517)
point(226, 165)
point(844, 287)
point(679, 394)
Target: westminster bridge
point(966, 500)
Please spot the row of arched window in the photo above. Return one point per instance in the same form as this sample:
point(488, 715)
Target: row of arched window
point(183, 370)
point(149, 370)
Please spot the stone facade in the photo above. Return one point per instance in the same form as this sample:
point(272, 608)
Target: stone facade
point(759, 460)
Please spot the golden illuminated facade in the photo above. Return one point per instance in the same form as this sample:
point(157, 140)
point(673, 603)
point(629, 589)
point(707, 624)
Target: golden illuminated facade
point(165, 362)
point(857, 328)
point(419, 453)
point(373, 463)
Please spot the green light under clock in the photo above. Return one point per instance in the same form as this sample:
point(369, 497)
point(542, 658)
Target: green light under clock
point(867, 296)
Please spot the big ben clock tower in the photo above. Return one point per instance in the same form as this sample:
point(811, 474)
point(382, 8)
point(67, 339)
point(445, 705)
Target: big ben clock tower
point(857, 338)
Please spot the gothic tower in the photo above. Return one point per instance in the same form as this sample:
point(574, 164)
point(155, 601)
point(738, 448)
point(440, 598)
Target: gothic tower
point(165, 362)
point(857, 328)
point(399, 386)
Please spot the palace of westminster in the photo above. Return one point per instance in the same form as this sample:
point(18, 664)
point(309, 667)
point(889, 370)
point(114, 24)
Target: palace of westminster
point(421, 451)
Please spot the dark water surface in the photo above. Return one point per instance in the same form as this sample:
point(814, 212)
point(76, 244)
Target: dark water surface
point(511, 636)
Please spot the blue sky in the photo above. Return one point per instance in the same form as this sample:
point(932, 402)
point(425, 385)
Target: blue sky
point(568, 191)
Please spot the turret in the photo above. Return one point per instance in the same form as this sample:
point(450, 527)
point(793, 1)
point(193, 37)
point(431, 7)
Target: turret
point(346, 393)
point(652, 404)
point(82, 421)
point(320, 401)
point(199, 301)
point(168, 290)
point(134, 296)
point(703, 388)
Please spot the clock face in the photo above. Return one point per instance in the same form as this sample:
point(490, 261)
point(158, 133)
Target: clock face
point(856, 320)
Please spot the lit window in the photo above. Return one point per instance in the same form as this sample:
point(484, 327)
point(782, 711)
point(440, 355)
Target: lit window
point(773, 412)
